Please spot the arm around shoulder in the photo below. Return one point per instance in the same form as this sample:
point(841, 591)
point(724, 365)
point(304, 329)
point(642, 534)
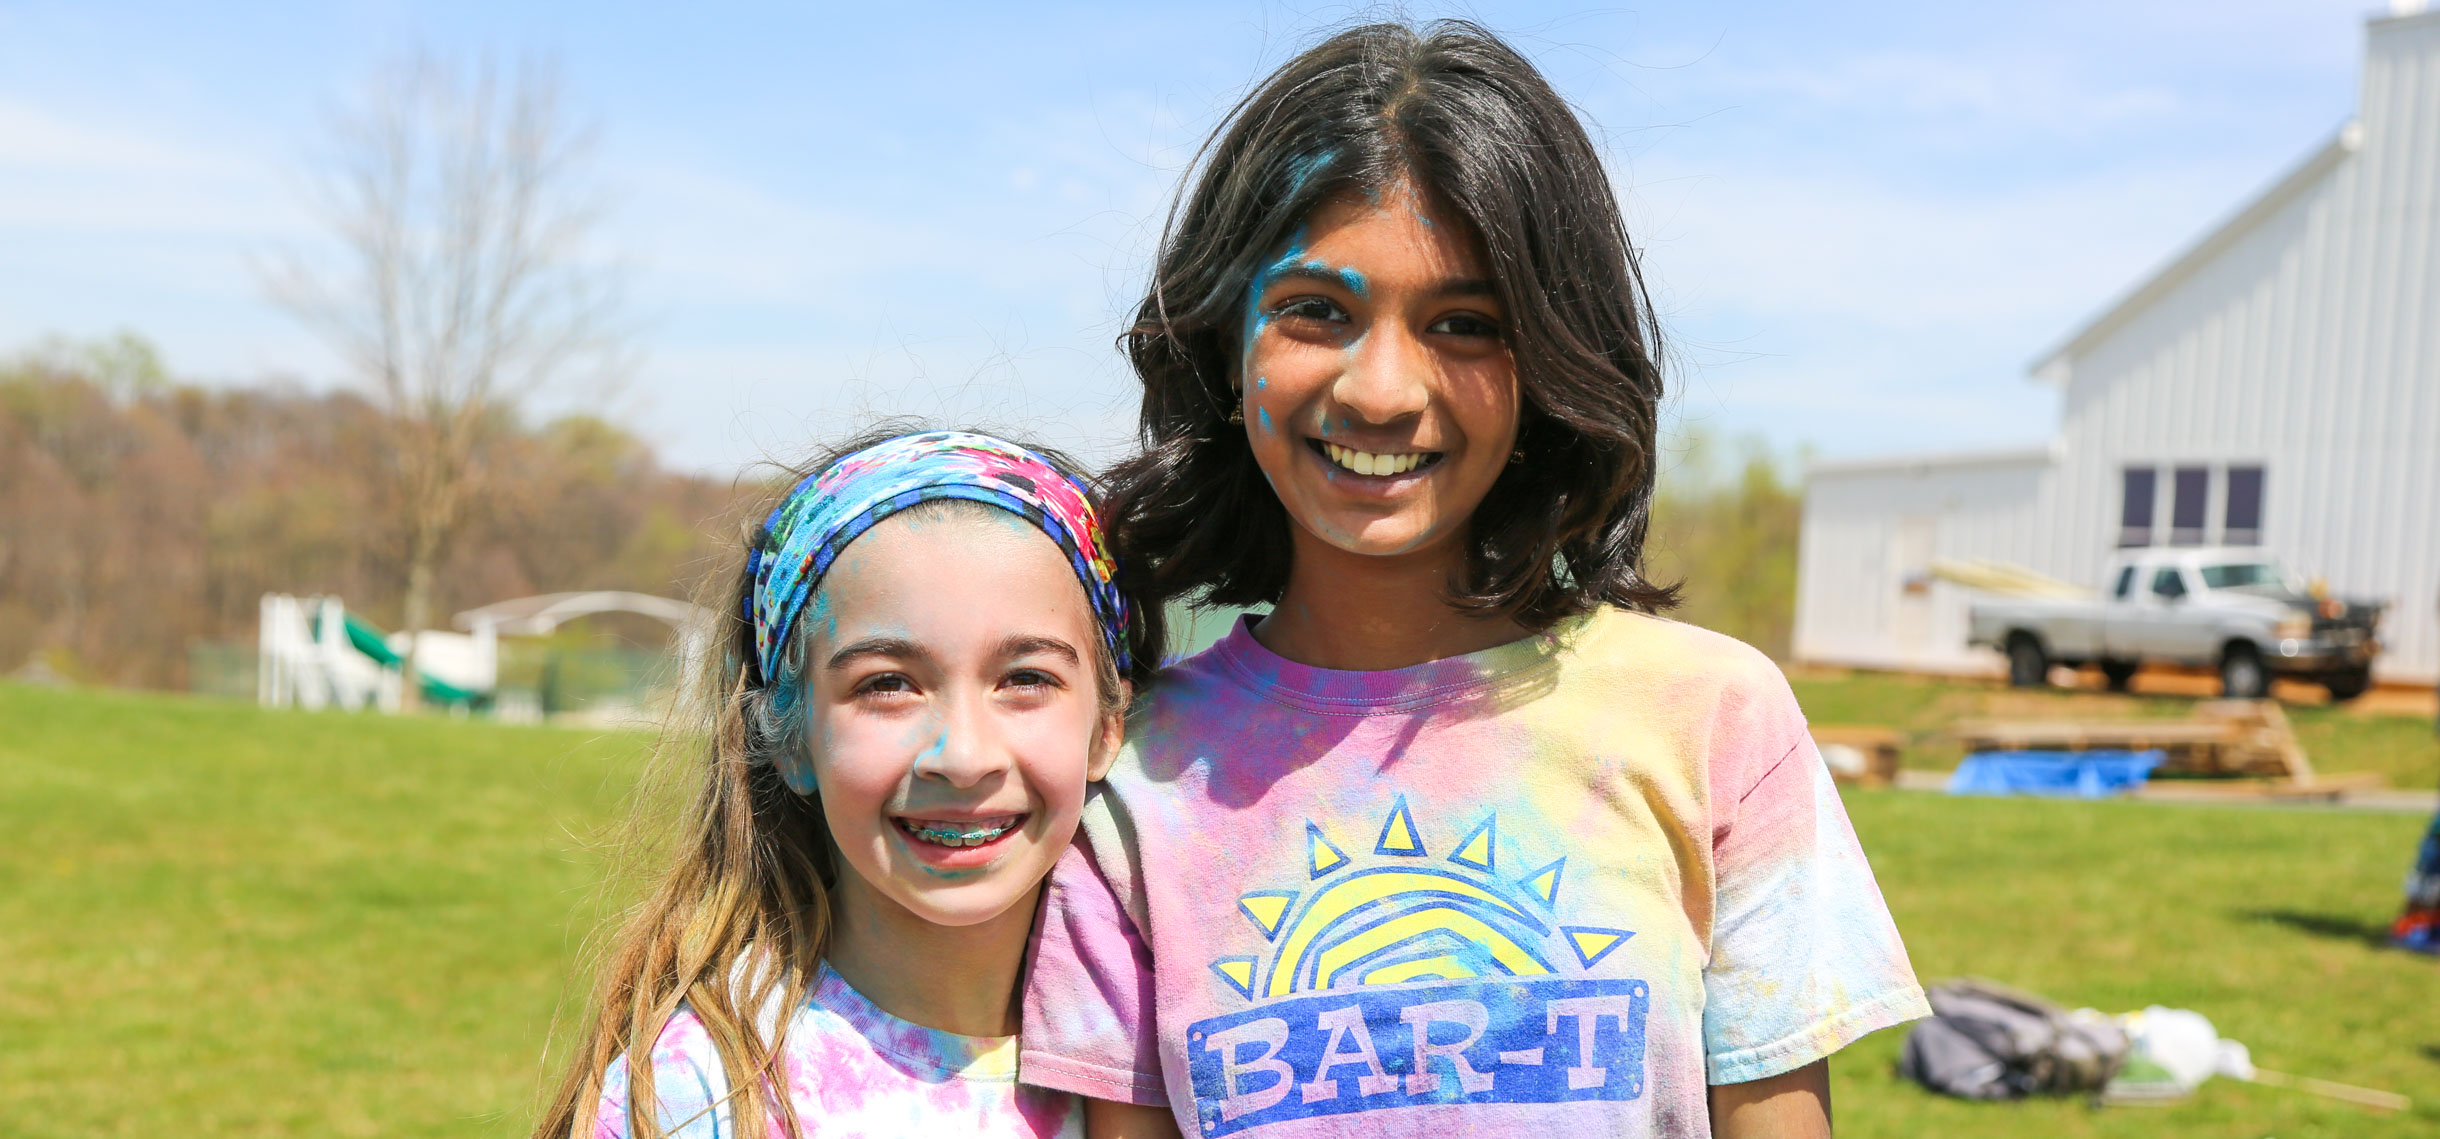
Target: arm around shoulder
point(1790, 1105)
point(1104, 1119)
point(1089, 995)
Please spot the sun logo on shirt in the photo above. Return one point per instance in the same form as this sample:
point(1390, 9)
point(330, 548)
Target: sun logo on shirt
point(1402, 915)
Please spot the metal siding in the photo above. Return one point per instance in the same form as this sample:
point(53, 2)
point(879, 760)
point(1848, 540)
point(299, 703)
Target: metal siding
point(1850, 584)
point(2309, 343)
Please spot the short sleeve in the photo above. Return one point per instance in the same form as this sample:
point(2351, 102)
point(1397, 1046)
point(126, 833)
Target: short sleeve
point(687, 1082)
point(1089, 1027)
point(1804, 957)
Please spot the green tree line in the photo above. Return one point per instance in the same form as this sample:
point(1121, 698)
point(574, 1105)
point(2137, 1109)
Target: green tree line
point(1724, 526)
point(140, 515)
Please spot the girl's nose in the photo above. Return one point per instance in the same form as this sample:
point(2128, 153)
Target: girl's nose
point(965, 753)
point(1384, 378)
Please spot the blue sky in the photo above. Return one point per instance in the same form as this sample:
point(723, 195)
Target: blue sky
point(1862, 221)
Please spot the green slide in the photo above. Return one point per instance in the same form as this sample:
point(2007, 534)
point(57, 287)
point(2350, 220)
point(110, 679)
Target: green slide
point(370, 641)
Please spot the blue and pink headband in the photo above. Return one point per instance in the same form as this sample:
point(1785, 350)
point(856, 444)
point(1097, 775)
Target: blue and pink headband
point(828, 510)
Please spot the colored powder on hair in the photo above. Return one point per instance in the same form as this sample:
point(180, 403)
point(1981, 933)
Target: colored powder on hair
point(1302, 170)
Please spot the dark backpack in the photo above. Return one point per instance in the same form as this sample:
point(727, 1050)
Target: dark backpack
point(1988, 1041)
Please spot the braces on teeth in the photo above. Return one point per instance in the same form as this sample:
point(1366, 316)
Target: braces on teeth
point(945, 837)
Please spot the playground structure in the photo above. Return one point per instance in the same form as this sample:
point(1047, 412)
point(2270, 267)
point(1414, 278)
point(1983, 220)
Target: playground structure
point(312, 653)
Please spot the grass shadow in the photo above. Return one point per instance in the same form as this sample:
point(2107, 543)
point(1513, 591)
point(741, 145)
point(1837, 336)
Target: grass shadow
point(2340, 927)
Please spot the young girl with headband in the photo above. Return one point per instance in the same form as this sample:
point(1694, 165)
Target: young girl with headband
point(928, 659)
point(1460, 837)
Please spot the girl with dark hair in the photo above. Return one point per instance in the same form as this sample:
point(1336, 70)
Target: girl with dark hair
point(928, 658)
point(1460, 837)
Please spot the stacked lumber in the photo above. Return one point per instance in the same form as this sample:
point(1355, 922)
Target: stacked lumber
point(2224, 739)
point(2005, 579)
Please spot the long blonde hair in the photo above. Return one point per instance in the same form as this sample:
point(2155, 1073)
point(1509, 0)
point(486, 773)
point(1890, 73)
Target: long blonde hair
point(736, 925)
point(739, 918)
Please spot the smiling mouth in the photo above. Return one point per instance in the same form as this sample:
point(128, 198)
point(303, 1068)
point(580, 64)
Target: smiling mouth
point(1373, 464)
point(958, 833)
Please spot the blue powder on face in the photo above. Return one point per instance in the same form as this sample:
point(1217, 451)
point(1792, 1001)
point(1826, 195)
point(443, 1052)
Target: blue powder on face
point(819, 611)
point(1269, 273)
point(1353, 281)
point(1256, 319)
point(1264, 414)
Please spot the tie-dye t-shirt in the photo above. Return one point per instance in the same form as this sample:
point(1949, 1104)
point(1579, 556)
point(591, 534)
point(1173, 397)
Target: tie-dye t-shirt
point(1552, 888)
point(851, 1070)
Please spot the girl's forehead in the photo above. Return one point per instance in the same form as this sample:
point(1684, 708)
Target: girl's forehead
point(969, 560)
point(1399, 223)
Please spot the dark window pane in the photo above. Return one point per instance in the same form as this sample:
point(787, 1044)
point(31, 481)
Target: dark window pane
point(2135, 515)
point(2192, 486)
point(2244, 506)
point(2243, 575)
point(2166, 583)
point(2126, 583)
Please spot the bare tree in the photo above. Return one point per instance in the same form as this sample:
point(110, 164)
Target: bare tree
point(462, 280)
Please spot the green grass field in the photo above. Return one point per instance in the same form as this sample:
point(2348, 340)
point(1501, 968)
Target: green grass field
point(221, 921)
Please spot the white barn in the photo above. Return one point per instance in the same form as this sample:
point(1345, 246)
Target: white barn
point(2276, 384)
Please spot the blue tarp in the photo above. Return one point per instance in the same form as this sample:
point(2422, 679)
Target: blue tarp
point(2068, 774)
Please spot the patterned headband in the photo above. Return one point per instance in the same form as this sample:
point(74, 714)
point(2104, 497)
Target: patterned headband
point(826, 511)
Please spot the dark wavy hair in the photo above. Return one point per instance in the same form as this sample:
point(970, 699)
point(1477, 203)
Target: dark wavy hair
point(1456, 115)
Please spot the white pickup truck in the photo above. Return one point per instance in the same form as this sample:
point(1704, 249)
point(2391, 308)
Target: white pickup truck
point(2234, 609)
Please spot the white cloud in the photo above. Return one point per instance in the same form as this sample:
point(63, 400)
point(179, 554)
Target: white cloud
point(2014, 93)
point(33, 139)
point(1838, 245)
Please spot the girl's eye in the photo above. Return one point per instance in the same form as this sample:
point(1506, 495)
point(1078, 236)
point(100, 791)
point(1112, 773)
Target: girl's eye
point(1031, 678)
point(1311, 308)
point(886, 684)
point(1465, 324)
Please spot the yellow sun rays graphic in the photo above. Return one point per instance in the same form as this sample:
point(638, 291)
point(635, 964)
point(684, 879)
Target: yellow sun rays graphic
point(1403, 916)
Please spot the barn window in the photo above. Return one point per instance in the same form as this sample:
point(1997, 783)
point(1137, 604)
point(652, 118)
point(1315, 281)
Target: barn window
point(2135, 516)
point(2189, 490)
point(2244, 514)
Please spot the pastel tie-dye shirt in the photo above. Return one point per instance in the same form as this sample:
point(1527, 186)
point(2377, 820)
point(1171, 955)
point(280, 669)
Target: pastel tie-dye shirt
point(851, 1070)
point(1553, 888)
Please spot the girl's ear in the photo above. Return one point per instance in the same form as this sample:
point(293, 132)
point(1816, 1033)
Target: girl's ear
point(796, 770)
point(1113, 732)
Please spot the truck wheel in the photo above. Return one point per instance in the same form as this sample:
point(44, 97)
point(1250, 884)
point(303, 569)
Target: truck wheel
point(2242, 676)
point(2028, 665)
point(2119, 673)
point(2347, 685)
